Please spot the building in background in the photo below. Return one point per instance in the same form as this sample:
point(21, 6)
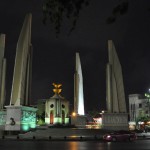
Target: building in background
point(139, 111)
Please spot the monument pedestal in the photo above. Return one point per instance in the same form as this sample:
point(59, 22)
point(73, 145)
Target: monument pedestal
point(79, 121)
point(20, 118)
point(2, 120)
point(115, 121)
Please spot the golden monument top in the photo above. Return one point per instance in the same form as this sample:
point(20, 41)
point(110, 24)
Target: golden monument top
point(57, 89)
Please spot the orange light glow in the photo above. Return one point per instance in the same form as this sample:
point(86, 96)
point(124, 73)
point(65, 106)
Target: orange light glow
point(74, 114)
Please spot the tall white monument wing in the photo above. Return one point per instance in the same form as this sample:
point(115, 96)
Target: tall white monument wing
point(2, 70)
point(78, 88)
point(22, 69)
point(114, 86)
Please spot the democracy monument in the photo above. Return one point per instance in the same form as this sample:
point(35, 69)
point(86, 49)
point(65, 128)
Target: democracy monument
point(19, 115)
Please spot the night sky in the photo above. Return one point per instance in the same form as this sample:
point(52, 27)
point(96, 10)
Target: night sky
point(54, 58)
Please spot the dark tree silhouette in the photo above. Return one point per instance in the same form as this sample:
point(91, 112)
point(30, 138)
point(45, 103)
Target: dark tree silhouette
point(56, 10)
point(120, 9)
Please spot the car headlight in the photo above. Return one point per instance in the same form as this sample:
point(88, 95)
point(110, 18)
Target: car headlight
point(108, 136)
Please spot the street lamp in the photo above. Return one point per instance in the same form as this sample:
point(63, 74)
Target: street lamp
point(73, 114)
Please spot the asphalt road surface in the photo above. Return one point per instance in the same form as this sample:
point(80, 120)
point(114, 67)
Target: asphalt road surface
point(73, 145)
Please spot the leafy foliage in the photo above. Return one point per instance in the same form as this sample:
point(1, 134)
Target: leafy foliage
point(56, 10)
point(41, 118)
point(120, 9)
point(93, 113)
point(143, 119)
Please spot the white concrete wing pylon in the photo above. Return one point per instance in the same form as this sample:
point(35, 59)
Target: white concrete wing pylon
point(78, 88)
point(115, 95)
point(22, 70)
point(2, 71)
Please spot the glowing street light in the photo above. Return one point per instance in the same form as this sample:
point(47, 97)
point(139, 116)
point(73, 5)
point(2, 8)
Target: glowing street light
point(73, 114)
point(103, 111)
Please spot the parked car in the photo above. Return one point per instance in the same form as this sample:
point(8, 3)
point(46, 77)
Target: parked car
point(142, 133)
point(121, 135)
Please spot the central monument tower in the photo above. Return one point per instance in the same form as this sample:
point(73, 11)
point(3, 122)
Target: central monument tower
point(57, 108)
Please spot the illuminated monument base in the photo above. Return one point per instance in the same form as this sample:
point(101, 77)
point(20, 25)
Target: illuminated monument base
point(20, 118)
point(2, 120)
point(57, 120)
point(115, 121)
point(79, 121)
